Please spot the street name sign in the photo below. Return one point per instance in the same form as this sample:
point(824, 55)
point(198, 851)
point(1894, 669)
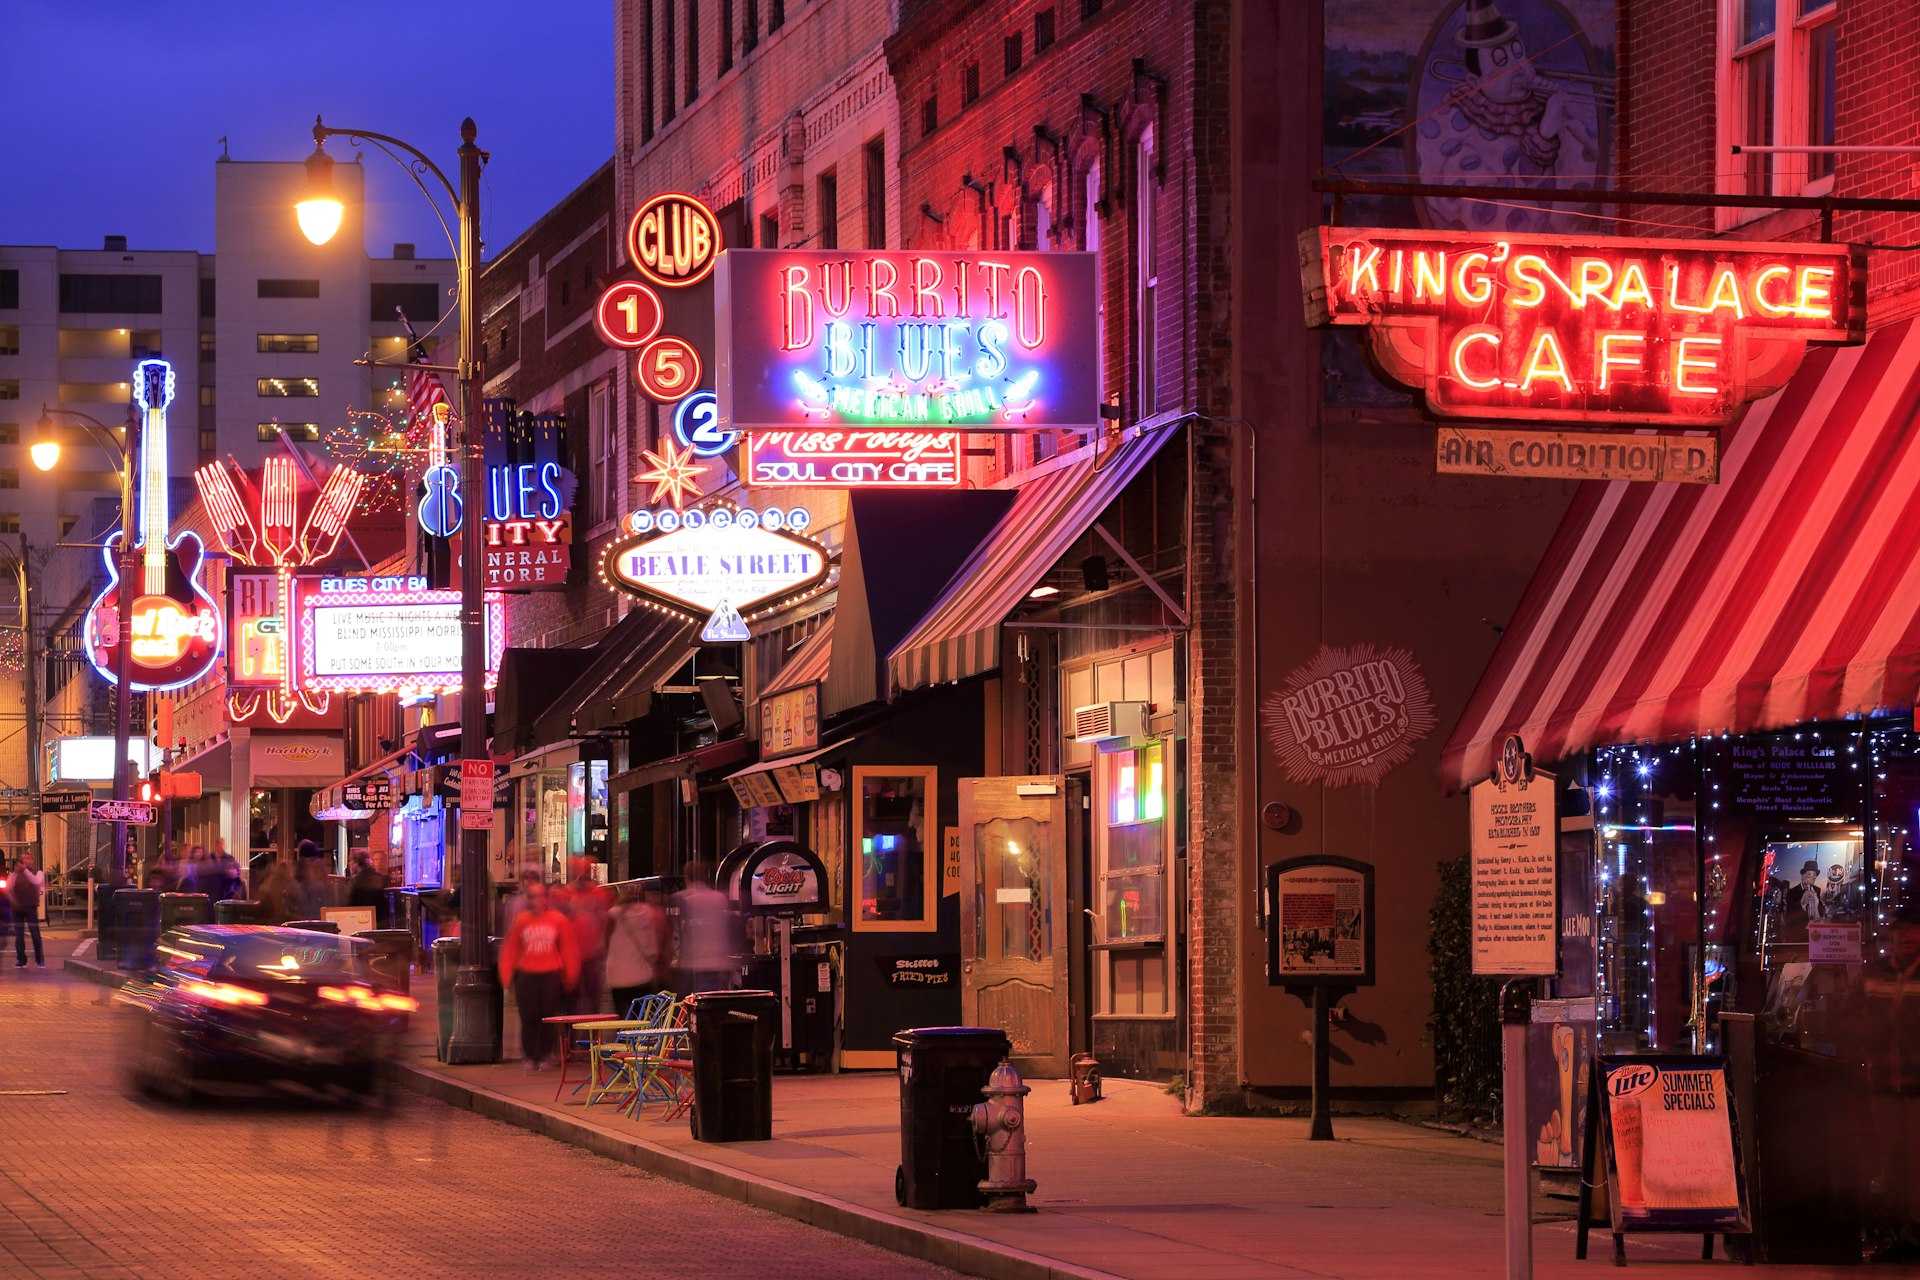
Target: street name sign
point(72, 801)
point(136, 812)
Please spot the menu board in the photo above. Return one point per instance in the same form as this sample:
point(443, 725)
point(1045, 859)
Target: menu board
point(1673, 1157)
point(1320, 925)
point(1516, 892)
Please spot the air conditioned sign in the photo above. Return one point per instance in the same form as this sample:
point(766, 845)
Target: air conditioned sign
point(920, 339)
point(1583, 329)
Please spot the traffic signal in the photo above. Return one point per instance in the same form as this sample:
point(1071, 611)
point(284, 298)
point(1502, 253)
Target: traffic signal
point(171, 784)
point(150, 787)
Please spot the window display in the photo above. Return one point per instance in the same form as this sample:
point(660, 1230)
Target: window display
point(897, 879)
point(1130, 851)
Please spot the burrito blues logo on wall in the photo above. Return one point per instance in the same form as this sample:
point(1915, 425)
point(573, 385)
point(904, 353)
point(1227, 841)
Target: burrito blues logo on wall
point(1349, 715)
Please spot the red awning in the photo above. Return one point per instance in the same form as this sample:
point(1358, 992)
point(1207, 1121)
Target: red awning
point(1788, 592)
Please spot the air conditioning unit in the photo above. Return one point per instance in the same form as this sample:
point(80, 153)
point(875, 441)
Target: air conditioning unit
point(1110, 726)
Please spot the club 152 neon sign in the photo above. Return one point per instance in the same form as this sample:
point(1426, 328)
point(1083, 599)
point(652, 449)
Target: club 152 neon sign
point(1590, 329)
point(822, 338)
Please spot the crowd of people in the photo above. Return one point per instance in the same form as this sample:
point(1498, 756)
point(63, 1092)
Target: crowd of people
point(580, 948)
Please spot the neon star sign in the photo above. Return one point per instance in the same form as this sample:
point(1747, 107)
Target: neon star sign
point(674, 474)
point(1586, 329)
point(930, 340)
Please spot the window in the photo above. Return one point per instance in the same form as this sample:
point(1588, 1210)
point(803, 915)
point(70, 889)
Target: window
point(1042, 31)
point(1146, 274)
point(9, 340)
point(209, 443)
point(9, 477)
point(1131, 907)
point(9, 433)
point(10, 389)
point(898, 875)
point(207, 294)
point(970, 84)
point(296, 388)
point(206, 395)
point(1777, 89)
point(9, 290)
point(206, 348)
point(67, 523)
point(726, 36)
point(693, 52)
point(875, 160)
point(1088, 8)
point(289, 289)
point(669, 104)
point(1010, 53)
point(268, 432)
point(750, 33)
point(1090, 237)
point(272, 343)
point(143, 344)
point(419, 300)
point(9, 522)
point(646, 71)
point(776, 15)
point(125, 295)
point(829, 189)
point(929, 115)
point(770, 230)
point(603, 494)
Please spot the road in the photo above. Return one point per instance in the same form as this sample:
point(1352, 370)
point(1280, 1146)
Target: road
point(95, 1182)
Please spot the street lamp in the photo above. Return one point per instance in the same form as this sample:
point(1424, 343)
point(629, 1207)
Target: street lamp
point(476, 1031)
point(45, 453)
point(30, 675)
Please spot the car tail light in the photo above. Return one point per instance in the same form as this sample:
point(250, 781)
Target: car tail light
point(225, 993)
point(368, 998)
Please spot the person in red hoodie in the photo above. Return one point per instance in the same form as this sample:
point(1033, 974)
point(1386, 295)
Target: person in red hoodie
point(541, 962)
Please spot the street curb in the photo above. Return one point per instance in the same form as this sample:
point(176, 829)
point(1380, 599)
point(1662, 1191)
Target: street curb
point(952, 1249)
point(938, 1245)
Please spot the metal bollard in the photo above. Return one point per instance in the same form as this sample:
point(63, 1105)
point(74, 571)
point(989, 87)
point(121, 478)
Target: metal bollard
point(1002, 1121)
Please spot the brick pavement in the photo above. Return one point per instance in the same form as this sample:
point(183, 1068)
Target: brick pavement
point(96, 1183)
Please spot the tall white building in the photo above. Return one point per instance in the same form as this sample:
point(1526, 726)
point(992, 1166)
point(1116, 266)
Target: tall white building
point(262, 334)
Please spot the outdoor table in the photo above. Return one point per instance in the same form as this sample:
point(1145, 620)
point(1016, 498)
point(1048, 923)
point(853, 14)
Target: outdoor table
point(597, 1030)
point(569, 1024)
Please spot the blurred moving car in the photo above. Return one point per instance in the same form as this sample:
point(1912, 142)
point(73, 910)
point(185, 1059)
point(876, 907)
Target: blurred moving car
point(257, 1004)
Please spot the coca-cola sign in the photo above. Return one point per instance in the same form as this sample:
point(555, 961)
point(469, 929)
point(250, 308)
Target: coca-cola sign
point(1349, 715)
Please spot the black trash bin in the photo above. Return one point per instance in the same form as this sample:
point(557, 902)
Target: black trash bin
point(239, 911)
point(315, 926)
point(391, 955)
point(177, 909)
point(733, 1035)
point(138, 914)
point(943, 1071)
point(106, 922)
point(403, 912)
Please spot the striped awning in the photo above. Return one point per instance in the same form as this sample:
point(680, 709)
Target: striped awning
point(1788, 592)
point(960, 635)
point(809, 663)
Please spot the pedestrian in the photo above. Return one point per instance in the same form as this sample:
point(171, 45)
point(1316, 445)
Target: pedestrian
point(705, 954)
point(541, 962)
point(224, 884)
point(586, 902)
point(275, 894)
point(25, 888)
point(639, 949)
point(510, 910)
point(368, 888)
point(311, 893)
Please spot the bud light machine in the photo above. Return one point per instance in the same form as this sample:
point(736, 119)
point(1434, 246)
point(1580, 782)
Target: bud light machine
point(772, 883)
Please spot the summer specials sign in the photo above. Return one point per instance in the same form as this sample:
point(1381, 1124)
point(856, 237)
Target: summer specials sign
point(1670, 1142)
point(1350, 715)
point(928, 339)
point(1583, 328)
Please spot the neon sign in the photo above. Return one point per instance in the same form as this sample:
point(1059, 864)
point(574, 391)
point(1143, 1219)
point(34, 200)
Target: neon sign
point(528, 535)
point(384, 635)
point(854, 459)
point(674, 240)
point(175, 624)
point(908, 339)
point(1590, 329)
point(717, 565)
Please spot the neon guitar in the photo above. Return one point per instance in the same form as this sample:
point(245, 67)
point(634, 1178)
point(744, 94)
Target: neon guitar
point(176, 624)
point(440, 484)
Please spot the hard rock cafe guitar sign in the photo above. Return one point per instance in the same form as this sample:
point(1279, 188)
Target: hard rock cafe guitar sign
point(175, 624)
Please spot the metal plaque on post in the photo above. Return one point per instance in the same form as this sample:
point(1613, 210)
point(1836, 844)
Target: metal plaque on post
point(1320, 948)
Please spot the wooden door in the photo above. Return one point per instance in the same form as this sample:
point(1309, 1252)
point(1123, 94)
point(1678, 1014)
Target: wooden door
point(1013, 907)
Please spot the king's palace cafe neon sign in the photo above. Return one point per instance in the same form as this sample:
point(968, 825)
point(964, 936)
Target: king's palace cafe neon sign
point(1585, 329)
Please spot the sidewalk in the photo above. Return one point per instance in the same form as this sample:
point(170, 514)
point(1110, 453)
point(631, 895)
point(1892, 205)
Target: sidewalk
point(1128, 1187)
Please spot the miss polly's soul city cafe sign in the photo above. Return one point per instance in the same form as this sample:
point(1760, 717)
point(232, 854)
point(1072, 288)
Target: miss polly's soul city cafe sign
point(1583, 332)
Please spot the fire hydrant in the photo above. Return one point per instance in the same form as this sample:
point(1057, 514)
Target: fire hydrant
point(1001, 1120)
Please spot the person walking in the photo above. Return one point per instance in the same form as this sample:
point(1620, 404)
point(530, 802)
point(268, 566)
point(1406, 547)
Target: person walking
point(368, 888)
point(639, 949)
point(275, 894)
point(706, 957)
point(541, 962)
point(25, 888)
point(586, 902)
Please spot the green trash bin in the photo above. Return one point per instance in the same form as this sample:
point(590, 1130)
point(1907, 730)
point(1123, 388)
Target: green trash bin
point(446, 968)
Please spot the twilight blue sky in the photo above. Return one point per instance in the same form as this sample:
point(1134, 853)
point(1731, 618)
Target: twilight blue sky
point(114, 108)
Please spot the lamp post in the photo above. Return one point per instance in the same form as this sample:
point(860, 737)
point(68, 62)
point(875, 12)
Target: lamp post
point(476, 1032)
point(29, 674)
point(45, 452)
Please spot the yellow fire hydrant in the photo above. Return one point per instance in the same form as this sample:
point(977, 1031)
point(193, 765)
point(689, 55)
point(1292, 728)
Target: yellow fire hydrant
point(1001, 1120)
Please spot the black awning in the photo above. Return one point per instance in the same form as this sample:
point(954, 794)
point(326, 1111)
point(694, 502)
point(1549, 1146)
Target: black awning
point(652, 661)
point(609, 665)
point(531, 680)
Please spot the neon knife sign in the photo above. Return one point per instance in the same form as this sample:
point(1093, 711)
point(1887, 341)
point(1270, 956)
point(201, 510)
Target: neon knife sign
point(956, 340)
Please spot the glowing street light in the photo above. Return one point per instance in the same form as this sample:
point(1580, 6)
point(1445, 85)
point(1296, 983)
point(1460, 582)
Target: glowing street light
point(319, 208)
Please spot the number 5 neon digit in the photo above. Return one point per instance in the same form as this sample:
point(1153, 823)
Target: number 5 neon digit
point(668, 367)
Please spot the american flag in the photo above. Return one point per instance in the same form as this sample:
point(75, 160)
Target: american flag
point(424, 388)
